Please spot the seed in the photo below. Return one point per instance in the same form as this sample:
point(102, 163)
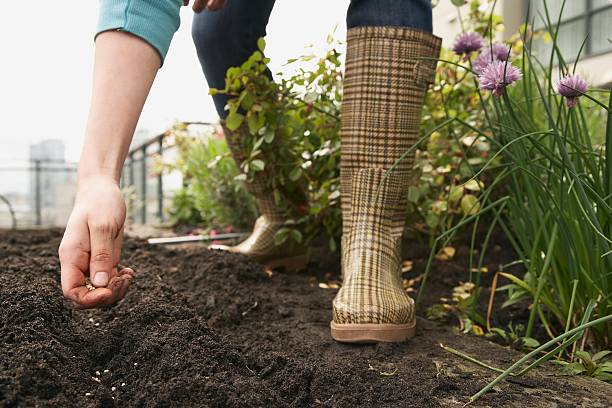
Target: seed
point(113, 388)
point(123, 384)
point(96, 379)
point(91, 320)
point(97, 373)
point(97, 324)
point(88, 394)
point(135, 364)
point(106, 371)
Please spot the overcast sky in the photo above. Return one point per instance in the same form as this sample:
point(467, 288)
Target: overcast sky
point(47, 52)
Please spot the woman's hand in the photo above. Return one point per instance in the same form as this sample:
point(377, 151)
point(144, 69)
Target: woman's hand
point(199, 5)
point(92, 245)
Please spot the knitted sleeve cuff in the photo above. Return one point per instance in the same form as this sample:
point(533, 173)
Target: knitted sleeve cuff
point(155, 21)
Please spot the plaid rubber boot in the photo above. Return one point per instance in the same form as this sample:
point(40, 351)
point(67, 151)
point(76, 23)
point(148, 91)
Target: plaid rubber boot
point(388, 70)
point(260, 244)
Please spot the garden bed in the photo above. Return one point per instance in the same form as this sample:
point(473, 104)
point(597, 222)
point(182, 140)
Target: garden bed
point(202, 328)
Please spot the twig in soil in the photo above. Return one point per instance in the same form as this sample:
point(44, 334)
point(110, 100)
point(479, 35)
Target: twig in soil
point(491, 298)
point(383, 373)
point(472, 359)
point(249, 309)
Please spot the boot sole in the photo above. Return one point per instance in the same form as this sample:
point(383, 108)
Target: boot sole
point(290, 264)
point(372, 332)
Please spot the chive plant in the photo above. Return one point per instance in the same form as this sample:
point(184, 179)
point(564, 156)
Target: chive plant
point(552, 184)
point(558, 184)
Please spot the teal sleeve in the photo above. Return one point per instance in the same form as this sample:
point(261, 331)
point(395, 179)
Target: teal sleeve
point(155, 21)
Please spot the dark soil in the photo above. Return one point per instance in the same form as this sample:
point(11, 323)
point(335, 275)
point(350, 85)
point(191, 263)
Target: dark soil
point(203, 328)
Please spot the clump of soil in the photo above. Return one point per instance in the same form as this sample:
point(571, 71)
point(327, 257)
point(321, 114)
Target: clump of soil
point(202, 328)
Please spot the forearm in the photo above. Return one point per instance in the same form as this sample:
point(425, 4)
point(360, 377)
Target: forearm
point(125, 67)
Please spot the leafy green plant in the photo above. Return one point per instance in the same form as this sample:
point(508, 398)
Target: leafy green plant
point(294, 127)
point(595, 365)
point(558, 207)
point(183, 210)
point(211, 195)
point(462, 306)
point(514, 335)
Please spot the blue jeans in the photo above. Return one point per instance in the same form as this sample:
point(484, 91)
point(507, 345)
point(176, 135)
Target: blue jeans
point(226, 38)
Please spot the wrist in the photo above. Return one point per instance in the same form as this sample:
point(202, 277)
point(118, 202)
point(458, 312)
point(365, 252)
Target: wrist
point(89, 171)
point(89, 176)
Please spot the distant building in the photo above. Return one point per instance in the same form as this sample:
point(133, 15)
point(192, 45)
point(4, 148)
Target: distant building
point(583, 21)
point(52, 183)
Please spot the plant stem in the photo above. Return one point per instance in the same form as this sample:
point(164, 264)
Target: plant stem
point(471, 359)
point(541, 280)
point(538, 350)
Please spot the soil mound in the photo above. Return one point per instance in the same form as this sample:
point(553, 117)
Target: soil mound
point(208, 329)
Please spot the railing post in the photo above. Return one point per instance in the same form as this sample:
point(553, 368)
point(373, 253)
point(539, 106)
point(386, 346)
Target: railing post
point(132, 186)
point(143, 180)
point(37, 193)
point(160, 182)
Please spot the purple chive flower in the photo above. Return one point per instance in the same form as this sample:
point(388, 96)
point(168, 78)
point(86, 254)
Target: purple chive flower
point(467, 43)
point(495, 52)
point(571, 86)
point(497, 75)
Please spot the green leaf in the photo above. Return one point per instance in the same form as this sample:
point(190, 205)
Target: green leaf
point(436, 312)
point(517, 281)
point(253, 123)
point(413, 194)
point(470, 204)
point(261, 44)
point(455, 194)
point(500, 332)
point(458, 3)
point(573, 369)
point(281, 235)
point(257, 165)
point(530, 342)
point(295, 174)
point(432, 220)
point(269, 135)
point(600, 355)
point(296, 235)
point(584, 356)
point(332, 244)
point(234, 120)
point(247, 99)
point(334, 195)
point(258, 143)
point(473, 185)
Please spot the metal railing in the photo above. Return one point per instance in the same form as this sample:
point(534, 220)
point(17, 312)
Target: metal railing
point(148, 191)
point(40, 193)
point(36, 193)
